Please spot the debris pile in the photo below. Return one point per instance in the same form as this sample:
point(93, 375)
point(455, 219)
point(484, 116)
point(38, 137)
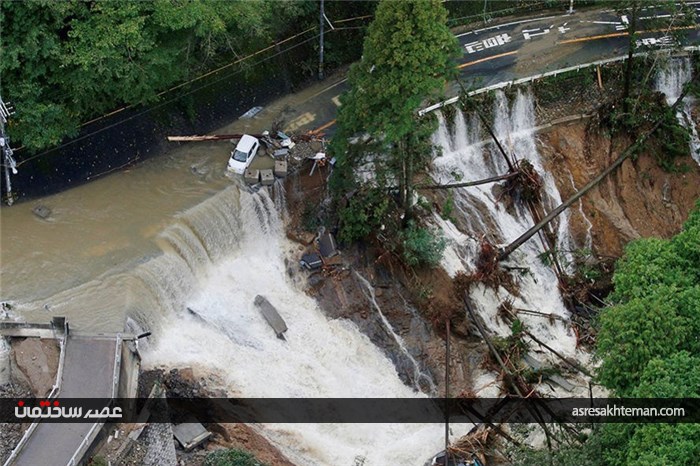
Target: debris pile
point(525, 186)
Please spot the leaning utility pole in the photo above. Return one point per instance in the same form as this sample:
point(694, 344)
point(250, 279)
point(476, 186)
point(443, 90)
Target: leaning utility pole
point(8, 162)
point(320, 48)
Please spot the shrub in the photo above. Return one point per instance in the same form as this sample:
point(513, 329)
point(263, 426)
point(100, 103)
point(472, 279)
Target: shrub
point(231, 457)
point(421, 246)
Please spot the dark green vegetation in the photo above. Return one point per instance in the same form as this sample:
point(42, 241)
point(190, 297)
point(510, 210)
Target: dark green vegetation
point(407, 57)
point(231, 457)
point(649, 348)
point(66, 62)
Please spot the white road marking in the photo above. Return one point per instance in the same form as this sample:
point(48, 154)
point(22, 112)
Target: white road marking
point(476, 31)
point(530, 33)
point(476, 46)
point(301, 120)
point(329, 87)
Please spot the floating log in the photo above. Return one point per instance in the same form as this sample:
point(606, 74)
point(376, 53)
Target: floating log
point(271, 316)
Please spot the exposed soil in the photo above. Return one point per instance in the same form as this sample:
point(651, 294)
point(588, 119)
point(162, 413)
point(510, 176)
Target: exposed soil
point(37, 360)
point(638, 200)
point(410, 300)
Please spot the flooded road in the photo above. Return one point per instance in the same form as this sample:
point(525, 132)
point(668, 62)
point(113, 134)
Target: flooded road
point(102, 229)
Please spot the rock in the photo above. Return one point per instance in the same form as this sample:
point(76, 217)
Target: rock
point(42, 212)
point(187, 374)
point(315, 280)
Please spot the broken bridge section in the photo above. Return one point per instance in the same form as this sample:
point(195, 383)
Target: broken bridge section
point(90, 367)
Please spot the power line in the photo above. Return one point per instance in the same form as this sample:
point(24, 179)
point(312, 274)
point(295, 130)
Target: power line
point(161, 104)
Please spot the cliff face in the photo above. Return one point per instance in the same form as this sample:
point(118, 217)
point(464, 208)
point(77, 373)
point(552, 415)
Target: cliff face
point(638, 200)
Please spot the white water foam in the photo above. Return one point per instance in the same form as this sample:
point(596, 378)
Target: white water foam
point(418, 374)
point(229, 338)
point(670, 81)
point(486, 217)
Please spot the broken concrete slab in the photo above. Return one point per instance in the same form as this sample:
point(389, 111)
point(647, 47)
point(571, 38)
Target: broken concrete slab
point(190, 434)
point(251, 176)
point(562, 382)
point(271, 316)
point(327, 246)
point(267, 178)
point(280, 168)
point(42, 212)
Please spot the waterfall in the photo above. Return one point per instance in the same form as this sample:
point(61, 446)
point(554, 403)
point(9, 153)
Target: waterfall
point(228, 339)
point(670, 82)
point(480, 214)
point(214, 258)
point(420, 378)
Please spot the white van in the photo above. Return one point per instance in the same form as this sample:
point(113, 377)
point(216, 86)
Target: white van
point(243, 154)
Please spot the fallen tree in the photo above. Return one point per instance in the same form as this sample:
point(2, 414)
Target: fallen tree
point(631, 149)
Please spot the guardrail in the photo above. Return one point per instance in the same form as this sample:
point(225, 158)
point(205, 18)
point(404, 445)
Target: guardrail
point(529, 79)
point(55, 390)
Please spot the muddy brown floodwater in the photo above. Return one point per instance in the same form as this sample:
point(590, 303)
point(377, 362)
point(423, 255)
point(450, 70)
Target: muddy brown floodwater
point(113, 223)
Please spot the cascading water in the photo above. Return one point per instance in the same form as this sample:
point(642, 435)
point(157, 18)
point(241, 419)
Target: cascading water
point(229, 338)
point(214, 258)
point(670, 81)
point(420, 378)
point(481, 215)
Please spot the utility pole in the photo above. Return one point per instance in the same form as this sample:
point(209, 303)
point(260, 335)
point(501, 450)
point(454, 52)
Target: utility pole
point(447, 391)
point(9, 162)
point(321, 16)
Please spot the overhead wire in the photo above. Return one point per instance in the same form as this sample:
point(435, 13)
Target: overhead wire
point(163, 103)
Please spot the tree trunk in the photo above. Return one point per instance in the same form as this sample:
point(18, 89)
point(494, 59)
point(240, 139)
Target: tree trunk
point(466, 184)
point(627, 152)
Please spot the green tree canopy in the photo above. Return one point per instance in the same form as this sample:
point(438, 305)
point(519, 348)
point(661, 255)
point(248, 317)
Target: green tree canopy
point(65, 62)
point(407, 57)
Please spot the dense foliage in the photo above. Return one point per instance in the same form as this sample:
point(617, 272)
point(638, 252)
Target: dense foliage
point(407, 56)
point(649, 344)
point(66, 62)
point(649, 348)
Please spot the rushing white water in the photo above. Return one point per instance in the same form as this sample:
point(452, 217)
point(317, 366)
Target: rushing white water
point(229, 338)
point(215, 258)
point(670, 81)
point(482, 214)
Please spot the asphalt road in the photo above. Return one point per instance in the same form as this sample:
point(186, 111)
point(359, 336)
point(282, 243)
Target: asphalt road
point(88, 372)
point(519, 49)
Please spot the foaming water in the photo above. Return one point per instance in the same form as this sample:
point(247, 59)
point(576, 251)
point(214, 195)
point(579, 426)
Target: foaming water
point(420, 378)
point(229, 338)
point(670, 81)
point(485, 216)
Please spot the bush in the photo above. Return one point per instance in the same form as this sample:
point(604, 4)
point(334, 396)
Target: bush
point(421, 246)
point(364, 214)
point(231, 457)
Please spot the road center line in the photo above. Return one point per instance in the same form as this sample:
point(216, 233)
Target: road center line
point(481, 60)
